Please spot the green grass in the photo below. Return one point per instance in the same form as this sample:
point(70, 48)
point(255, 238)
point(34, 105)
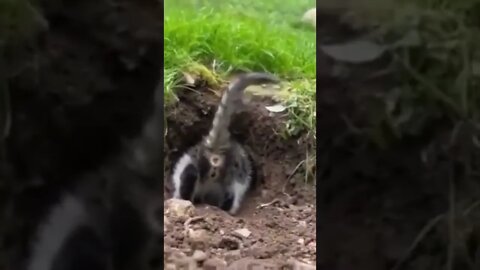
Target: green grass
point(246, 35)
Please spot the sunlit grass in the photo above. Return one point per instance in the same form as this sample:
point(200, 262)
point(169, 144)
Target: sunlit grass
point(219, 36)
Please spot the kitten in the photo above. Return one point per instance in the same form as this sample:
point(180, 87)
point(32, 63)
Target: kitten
point(219, 171)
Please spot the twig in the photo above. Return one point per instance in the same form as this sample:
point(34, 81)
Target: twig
point(295, 170)
point(290, 176)
point(263, 205)
point(426, 229)
point(187, 223)
point(284, 186)
point(432, 88)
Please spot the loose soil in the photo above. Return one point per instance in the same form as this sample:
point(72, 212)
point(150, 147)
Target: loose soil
point(280, 213)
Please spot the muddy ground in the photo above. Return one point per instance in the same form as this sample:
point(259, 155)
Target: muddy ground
point(280, 214)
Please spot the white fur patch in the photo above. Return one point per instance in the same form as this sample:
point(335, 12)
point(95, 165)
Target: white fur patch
point(238, 188)
point(180, 166)
point(62, 220)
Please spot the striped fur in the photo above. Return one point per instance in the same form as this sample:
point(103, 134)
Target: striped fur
point(219, 137)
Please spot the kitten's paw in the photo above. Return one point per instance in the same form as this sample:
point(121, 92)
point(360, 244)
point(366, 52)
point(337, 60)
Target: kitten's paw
point(234, 210)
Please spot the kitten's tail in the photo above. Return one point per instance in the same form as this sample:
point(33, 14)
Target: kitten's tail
point(232, 97)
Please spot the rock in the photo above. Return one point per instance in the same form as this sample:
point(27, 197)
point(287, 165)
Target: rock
point(179, 208)
point(199, 256)
point(244, 233)
point(301, 241)
point(310, 17)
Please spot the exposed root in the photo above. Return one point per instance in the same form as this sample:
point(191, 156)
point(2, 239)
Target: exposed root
point(263, 205)
point(189, 221)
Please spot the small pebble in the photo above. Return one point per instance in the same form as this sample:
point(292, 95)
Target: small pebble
point(199, 256)
point(244, 232)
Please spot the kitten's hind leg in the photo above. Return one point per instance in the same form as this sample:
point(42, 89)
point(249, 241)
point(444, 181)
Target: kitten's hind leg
point(238, 189)
point(184, 178)
point(227, 201)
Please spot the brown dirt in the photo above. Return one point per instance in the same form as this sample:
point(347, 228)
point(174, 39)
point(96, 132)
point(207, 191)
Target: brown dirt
point(284, 229)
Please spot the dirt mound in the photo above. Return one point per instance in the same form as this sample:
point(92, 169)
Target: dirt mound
point(279, 214)
point(207, 235)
